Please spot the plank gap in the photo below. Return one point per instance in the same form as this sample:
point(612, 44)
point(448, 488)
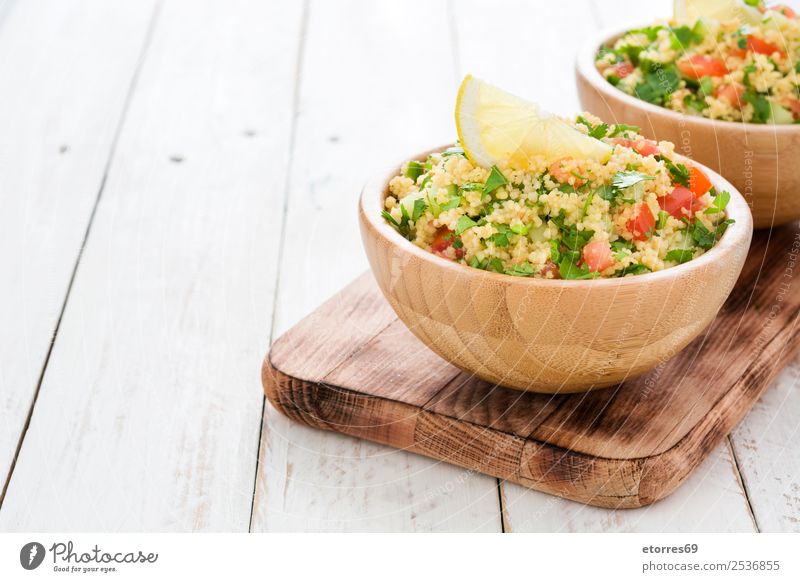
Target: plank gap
point(111, 152)
point(281, 240)
point(740, 479)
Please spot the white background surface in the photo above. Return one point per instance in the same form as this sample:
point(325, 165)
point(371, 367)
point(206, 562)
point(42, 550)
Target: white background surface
point(179, 181)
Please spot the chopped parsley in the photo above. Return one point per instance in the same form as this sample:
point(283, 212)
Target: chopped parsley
point(464, 224)
point(719, 203)
point(622, 180)
point(680, 256)
point(494, 181)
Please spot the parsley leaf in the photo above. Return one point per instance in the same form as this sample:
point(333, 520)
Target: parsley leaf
point(569, 270)
point(419, 209)
point(680, 174)
point(658, 84)
point(680, 255)
point(414, 170)
point(624, 180)
point(523, 270)
point(634, 269)
point(620, 128)
point(720, 202)
point(495, 180)
point(596, 131)
point(761, 108)
point(464, 223)
point(500, 237)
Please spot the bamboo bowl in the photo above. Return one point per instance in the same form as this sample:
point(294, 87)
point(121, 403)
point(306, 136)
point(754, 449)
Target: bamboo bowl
point(550, 336)
point(761, 161)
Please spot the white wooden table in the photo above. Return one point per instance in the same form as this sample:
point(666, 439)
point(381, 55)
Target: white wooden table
point(177, 187)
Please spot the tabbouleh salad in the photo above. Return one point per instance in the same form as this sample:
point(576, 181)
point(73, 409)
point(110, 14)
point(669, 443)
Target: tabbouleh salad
point(642, 210)
point(728, 70)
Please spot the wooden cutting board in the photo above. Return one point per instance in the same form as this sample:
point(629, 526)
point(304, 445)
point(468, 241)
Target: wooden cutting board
point(353, 367)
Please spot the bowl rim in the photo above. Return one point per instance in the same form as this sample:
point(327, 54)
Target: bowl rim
point(585, 66)
point(374, 192)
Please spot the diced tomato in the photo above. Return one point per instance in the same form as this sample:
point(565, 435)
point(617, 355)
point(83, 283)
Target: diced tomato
point(642, 146)
point(597, 255)
point(785, 10)
point(442, 241)
point(738, 52)
point(794, 106)
point(563, 175)
point(699, 183)
point(680, 202)
point(622, 70)
point(762, 47)
point(643, 222)
point(699, 66)
point(733, 93)
point(550, 268)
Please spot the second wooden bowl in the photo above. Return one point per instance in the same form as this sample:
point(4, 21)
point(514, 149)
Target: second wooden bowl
point(761, 161)
point(550, 335)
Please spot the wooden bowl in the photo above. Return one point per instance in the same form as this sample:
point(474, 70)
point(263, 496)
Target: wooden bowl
point(550, 335)
point(761, 161)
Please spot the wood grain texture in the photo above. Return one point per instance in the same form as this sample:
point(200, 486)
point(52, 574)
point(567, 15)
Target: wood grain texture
point(348, 119)
point(759, 160)
point(550, 336)
point(623, 447)
point(147, 419)
point(766, 445)
point(59, 113)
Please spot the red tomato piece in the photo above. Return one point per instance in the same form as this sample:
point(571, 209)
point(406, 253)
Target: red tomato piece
point(643, 223)
point(733, 93)
point(642, 146)
point(699, 183)
point(699, 66)
point(785, 10)
point(442, 241)
point(762, 47)
point(597, 255)
point(563, 175)
point(794, 107)
point(622, 70)
point(738, 52)
point(679, 203)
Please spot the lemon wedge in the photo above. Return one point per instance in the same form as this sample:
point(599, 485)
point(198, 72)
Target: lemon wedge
point(495, 126)
point(688, 11)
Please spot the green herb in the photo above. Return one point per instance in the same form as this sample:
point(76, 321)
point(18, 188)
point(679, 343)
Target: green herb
point(567, 188)
point(622, 180)
point(691, 101)
point(661, 222)
point(606, 192)
point(742, 43)
point(761, 108)
point(634, 269)
point(658, 84)
point(402, 227)
point(469, 186)
point(680, 255)
point(683, 36)
point(703, 237)
point(414, 170)
point(500, 237)
point(720, 202)
point(458, 243)
point(596, 131)
point(680, 174)
point(588, 203)
point(723, 226)
point(706, 85)
point(454, 202)
point(495, 180)
point(748, 69)
point(495, 265)
point(453, 151)
point(419, 209)
point(621, 128)
point(754, 3)
point(619, 247)
point(519, 229)
point(464, 223)
point(555, 253)
point(570, 270)
point(523, 270)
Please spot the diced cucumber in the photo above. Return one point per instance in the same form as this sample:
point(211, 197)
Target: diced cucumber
point(779, 114)
point(408, 200)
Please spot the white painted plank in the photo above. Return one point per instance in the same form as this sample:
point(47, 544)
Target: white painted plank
point(767, 446)
point(149, 414)
point(533, 54)
point(59, 111)
point(710, 500)
point(377, 86)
